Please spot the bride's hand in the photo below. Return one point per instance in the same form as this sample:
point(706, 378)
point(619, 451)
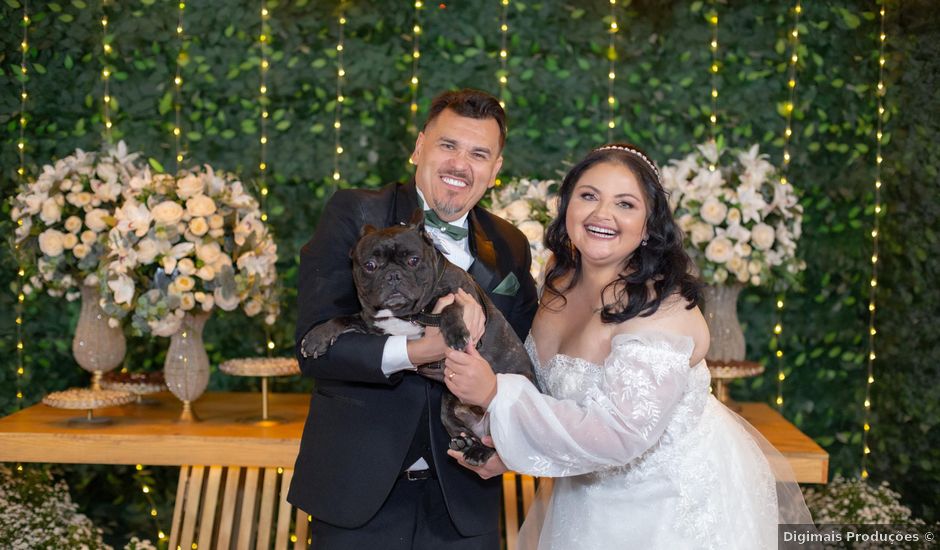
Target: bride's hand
point(469, 376)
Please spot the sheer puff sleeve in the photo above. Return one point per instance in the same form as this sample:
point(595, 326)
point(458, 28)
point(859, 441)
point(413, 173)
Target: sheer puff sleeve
point(621, 413)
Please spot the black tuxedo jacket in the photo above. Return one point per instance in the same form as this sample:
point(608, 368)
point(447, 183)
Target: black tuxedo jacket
point(361, 422)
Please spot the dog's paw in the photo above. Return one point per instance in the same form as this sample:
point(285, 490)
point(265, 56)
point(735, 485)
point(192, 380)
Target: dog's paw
point(463, 442)
point(478, 454)
point(318, 340)
point(456, 335)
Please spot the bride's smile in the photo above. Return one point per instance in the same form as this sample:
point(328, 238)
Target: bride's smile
point(606, 218)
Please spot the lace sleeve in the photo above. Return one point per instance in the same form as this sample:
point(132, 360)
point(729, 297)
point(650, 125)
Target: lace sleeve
point(621, 416)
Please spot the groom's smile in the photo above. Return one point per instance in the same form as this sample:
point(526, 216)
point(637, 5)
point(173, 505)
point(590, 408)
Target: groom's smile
point(457, 160)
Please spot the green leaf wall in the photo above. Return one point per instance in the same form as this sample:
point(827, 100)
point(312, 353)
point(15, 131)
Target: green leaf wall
point(557, 104)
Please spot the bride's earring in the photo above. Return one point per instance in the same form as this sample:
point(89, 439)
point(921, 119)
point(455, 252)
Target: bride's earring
point(643, 242)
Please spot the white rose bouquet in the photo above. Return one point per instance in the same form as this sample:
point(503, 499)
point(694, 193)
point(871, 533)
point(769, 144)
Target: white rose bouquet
point(531, 205)
point(740, 223)
point(188, 243)
point(63, 217)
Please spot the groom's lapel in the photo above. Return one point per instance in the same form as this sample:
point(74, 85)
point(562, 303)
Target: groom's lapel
point(484, 269)
point(404, 204)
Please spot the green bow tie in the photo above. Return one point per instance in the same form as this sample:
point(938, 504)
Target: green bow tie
point(453, 231)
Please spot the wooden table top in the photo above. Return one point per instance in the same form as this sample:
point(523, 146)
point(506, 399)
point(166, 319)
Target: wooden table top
point(225, 435)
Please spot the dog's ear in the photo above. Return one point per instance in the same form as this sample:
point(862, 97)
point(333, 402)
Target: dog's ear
point(417, 221)
point(417, 218)
point(366, 229)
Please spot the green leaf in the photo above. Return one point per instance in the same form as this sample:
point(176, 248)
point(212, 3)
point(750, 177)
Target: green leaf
point(166, 103)
point(155, 164)
point(851, 20)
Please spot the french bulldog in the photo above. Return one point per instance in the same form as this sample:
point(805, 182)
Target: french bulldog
point(399, 276)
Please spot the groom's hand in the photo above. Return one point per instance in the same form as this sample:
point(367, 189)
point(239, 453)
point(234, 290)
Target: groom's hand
point(492, 468)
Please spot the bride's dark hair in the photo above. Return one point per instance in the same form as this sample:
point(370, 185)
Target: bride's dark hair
point(661, 262)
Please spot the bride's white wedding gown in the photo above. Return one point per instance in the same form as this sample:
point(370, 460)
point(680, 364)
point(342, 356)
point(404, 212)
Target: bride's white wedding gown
point(643, 455)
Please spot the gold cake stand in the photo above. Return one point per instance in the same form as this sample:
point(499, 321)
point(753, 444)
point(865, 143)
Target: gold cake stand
point(264, 367)
point(88, 400)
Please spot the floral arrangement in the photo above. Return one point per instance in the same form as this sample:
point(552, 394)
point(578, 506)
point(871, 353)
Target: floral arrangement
point(740, 223)
point(188, 243)
point(35, 512)
point(531, 205)
point(63, 217)
point(853, 501)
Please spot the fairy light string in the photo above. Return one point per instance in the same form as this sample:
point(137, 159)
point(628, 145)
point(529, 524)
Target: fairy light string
point(713, 70)
point(503, 74)
point(793, 59)
point(611, 73)
point(178, 86)
point(340, 99)
point(264, 40)
point(880, 94)
point(21, 177)
point(415, 57)
point(106, 71)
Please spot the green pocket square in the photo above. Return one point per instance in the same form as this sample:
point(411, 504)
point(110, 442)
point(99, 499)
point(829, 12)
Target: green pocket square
point(509, 286)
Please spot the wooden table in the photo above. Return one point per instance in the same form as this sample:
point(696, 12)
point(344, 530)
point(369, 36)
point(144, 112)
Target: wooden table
point(243, 469)
point(152, 435)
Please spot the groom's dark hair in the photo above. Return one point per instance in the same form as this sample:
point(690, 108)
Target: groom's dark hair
point(470, 103)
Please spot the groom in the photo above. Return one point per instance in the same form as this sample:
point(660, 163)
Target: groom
point(373, 469)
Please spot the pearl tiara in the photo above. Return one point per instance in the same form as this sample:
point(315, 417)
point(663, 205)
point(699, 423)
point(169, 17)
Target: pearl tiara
point(633, 152)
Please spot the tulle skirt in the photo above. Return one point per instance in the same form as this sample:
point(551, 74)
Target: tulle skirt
point(721, 485)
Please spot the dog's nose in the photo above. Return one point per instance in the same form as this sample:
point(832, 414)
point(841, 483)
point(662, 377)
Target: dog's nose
point(393, 277)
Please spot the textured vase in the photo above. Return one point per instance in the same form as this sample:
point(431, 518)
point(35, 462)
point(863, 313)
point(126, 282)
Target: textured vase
point(721, 314)
point(97, 347)
point(186, 369)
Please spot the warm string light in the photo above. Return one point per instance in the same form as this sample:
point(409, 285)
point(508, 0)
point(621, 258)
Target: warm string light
point(611, 73)
point(713, 70)
point(21, 176)
point(106, 71)
point(264, 39)
point(146, 490)
point(794, 39)
point(178, 86)
point(415, 56)
point(503, 74)
point(264, 101)
point(340, 99)
point(880, 93)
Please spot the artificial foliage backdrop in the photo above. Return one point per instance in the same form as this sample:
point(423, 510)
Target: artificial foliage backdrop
point(557, 73)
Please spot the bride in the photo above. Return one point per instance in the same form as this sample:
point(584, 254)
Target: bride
point(642, 455)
